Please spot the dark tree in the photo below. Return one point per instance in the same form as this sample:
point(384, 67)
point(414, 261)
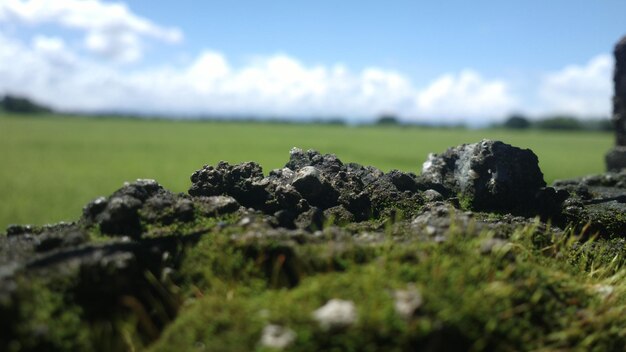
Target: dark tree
point(516, 122)
point(387, 120)
point(21, 105)
point(560, 123)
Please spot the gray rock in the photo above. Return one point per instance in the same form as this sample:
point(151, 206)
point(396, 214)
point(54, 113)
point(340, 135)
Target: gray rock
point(314, 187)
point(488, 175)
point(430, 195)
point(310, 179)
point(597, 203)
point(122, 213)
point(216, 205)
point(616, 157)
point(120, 217)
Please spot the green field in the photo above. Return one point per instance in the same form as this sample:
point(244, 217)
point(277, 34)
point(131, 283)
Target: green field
point(52, 166)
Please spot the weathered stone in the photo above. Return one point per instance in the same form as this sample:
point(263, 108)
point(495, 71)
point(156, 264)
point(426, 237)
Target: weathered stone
point(216, 205)
point(312, 219)
point(431, 195)
point(616, 157)
point(339, 215)
point(436, 220)
point(619, 97)
point(488, 175)
point(403, 181)
point(121, 214)
point(313, 187)
point(310, 179)
point(597, 203)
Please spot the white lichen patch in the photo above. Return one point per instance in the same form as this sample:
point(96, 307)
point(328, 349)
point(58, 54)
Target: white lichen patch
point(603, 291)
point(336, 313)
point(277, 337)
point(408, 301)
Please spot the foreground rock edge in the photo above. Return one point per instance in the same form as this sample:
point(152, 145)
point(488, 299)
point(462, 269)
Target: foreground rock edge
point(142, 227)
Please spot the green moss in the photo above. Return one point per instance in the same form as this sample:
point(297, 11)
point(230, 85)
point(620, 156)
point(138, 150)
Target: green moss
point(465, 201)
point(520, 296)
point(535, 291)
point(45, 320)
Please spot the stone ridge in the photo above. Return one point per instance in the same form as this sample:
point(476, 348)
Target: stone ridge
point(492, 175)
point(144, 228)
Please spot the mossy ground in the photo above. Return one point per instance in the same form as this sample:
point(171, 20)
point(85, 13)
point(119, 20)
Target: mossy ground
point(535, 290)
point(519, 296)
point(532, 291)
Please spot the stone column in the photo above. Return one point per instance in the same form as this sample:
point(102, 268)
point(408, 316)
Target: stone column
point(616, 157)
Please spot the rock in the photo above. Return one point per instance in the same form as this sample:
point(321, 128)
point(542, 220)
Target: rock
point(339, 215)
point(277, 337)
point(596, 203)
point(312, 219)
point(242, 182)
point(327, 163)
point(310, 179)
point(336, 314)
point(403, 181)
point(313, 187)
point(216, 205)
point(430, 195)
point(166, 207)
point(438, 218)
point(120, 217)
point(406, 302)
point(616, 157)
point(488, 175)
point(145, 201)
point(60, 239)
point(344, 210)
point(119, 213)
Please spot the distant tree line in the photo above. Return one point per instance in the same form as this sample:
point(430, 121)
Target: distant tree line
point(557, 122)
point(21, 105)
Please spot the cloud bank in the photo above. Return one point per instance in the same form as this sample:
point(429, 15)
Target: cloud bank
point(110, 30)
point(90, 78)
point(579, 89)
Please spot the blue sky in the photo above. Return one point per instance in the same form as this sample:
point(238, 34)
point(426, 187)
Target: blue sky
point(448, 61)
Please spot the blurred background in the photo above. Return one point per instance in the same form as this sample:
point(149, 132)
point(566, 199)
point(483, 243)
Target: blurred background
point(95, 93)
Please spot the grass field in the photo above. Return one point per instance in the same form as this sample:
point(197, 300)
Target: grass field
point(51, 166)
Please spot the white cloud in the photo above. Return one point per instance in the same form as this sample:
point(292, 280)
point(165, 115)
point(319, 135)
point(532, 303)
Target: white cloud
point(111, 29)
point(465, 94)
point(53, 49)
point(579, 89)
point(273, 85)
point(50, 70)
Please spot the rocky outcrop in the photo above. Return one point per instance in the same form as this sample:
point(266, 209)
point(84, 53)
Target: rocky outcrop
point(491, 175)
point(616, 157)
point(129, 243)
point(310, 183)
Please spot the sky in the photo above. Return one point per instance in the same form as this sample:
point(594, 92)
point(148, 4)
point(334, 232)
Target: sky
point(425, 61)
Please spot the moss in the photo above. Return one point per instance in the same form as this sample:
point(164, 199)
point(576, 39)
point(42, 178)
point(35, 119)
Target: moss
point(518, 297)
point(535, 291)
point(45, 319)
